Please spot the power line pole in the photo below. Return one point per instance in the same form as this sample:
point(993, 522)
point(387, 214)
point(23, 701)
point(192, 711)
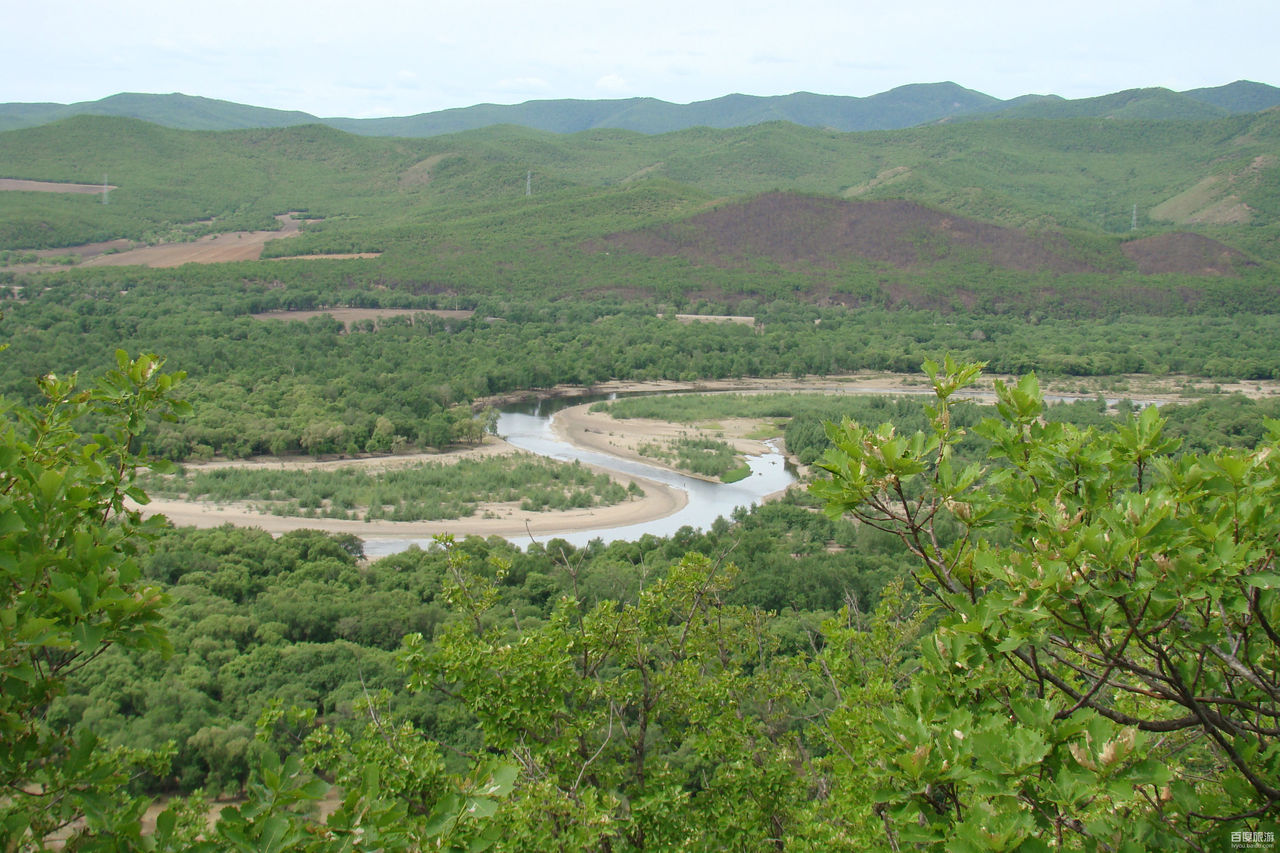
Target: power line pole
point(104, 189)
point(528, 183)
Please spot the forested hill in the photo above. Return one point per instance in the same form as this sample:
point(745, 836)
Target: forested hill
point(905, 106)
point(1075, 187)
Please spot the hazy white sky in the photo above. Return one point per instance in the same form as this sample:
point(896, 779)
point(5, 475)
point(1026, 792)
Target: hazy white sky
point(383, 58)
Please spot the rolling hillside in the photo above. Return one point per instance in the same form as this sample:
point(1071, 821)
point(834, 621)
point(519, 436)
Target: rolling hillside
point(1085, 174)
point(902, 107)
point(1018, 206)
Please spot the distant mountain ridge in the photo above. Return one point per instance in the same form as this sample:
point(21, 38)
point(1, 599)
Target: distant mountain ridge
point(905, 106)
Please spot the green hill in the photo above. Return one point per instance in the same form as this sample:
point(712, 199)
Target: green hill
point(1155, 104)
point(1242, 96)
point(183, 112)
point(902, 107)
point(167, 178)
point(978, 206)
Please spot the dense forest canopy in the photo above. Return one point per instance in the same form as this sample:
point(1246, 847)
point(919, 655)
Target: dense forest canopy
point(1064, 613)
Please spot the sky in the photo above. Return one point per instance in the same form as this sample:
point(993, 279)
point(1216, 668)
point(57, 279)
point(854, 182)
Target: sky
point(372, 58)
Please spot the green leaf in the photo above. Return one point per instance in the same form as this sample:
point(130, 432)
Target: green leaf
point(87, 637)
point(70, 599)
point(11, 522)
point(481, 808)
point(501, 781)
point(316, 789)
point(1009, 644)
point(49, 484)
point(165, 823)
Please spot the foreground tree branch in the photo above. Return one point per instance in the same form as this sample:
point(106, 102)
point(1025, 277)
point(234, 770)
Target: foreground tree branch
point(1096, 586)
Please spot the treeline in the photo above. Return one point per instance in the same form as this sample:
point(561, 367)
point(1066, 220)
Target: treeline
point(290, 387)
point(802, 416)
point(1228, 420)
point(1222, 420)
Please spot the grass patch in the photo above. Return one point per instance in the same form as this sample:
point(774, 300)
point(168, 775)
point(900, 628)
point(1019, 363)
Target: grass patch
point(766, 431)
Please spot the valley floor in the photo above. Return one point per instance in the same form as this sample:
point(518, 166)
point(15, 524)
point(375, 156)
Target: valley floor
point(500, 519)
point(600, 432)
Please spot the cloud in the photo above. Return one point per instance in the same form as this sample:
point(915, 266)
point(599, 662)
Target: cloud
point(771, 59)
point(611, 83)
point(523, 85)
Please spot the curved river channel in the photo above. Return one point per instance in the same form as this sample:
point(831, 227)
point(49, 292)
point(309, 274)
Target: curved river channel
point(529, 428)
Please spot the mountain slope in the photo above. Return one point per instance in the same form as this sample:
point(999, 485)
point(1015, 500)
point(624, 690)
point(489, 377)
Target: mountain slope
point(902, 107)
point(1157, 104)
point(1242, 96)
point(795, 230)
point(1081, 175)
point(178, 111)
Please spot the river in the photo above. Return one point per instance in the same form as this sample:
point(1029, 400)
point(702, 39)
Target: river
point(529, 428)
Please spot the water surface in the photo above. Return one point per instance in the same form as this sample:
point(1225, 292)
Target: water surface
point(529, 428)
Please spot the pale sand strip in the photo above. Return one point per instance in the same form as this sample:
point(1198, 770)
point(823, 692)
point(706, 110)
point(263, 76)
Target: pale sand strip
point(599, 432)
point(505, 520)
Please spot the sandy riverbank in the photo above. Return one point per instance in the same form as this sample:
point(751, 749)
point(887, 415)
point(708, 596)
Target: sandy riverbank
point(497, 519)
point(600, 432)
point(1137, 386)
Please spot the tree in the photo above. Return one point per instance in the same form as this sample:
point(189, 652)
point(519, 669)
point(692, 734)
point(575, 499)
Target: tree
point(69, 542)
point(659, 725)
point(1105, 672)
point(71, 534)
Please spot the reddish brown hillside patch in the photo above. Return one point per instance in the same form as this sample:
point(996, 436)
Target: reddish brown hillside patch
point(793, 230)
point(1188, 254)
